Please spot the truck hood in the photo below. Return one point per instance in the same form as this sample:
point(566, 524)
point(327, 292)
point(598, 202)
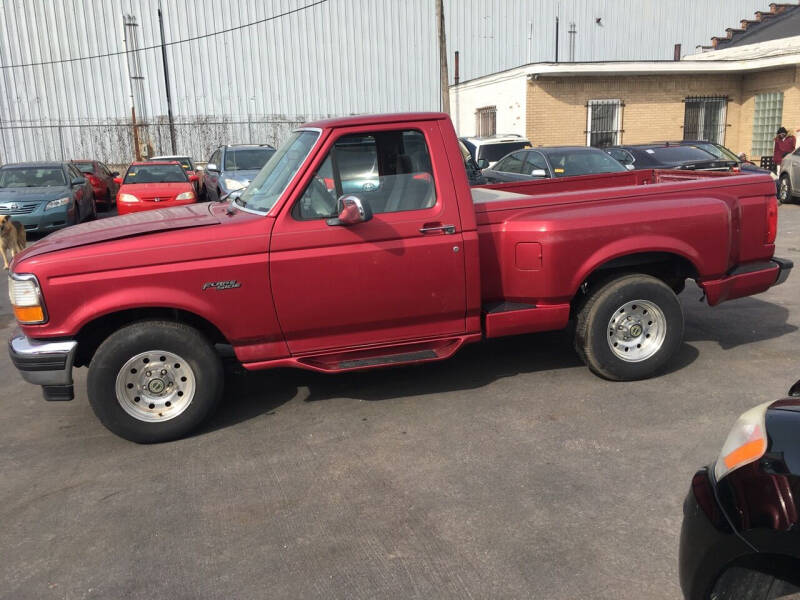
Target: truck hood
point(165, 219)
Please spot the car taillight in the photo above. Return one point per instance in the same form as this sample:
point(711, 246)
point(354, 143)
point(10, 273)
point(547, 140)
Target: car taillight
point(772, 219)
point(93, 179)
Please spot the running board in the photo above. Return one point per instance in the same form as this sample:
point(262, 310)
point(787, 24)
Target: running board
point(404, 353)
point(388, 360)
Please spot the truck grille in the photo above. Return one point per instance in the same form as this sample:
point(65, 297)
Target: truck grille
point(15, 208)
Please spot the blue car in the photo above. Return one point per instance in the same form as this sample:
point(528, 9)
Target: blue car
point(45, 196)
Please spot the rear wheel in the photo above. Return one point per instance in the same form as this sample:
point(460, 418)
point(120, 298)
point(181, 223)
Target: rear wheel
point(629, 328)
point(784, 189)
point(154, 381)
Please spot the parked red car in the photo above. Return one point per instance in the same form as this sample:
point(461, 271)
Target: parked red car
point(151, 185)
point(102, 180)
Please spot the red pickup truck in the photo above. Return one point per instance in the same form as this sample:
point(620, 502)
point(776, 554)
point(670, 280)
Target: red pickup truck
point(360, 245)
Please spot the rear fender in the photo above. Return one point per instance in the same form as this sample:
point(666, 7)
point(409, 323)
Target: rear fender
point(633, 246)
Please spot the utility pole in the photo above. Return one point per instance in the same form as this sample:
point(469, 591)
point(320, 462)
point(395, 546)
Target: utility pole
point(443, 79)
point(556, 38)
point(166, 83)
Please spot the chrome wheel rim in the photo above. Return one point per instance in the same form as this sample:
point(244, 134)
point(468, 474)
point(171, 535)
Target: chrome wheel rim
point(155, 386)
point(784, 190)
point(636, 331)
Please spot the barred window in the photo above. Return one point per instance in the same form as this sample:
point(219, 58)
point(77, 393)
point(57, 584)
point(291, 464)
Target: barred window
point(767, 119)
point(704, 119)
point(603, 122)
point(486, 121)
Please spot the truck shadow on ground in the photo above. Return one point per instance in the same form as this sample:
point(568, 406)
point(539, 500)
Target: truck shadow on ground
point(250, 394)
point(735, 323)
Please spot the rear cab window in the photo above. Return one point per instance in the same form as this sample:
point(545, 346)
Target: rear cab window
point(391, 170)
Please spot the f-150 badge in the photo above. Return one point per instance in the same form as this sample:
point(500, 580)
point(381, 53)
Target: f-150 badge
point(221, 285)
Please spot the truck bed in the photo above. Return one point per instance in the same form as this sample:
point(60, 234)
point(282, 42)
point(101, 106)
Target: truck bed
point(539, 240)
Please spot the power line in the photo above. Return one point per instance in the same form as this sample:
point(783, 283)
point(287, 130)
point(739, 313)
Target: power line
point(191, 39)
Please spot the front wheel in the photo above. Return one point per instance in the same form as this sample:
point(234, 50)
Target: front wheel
point(154, 381)
point(629, 328)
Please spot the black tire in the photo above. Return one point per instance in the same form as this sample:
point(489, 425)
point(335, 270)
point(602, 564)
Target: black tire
point(784, 189)
point(739, 583)
point(594, 321)
point(200, 359)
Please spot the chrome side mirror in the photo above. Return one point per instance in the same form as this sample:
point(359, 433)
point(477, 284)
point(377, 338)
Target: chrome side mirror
point(538, 173)
point(352, 210)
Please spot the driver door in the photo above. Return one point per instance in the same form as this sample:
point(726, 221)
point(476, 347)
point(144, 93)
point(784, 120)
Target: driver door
point(397, 277)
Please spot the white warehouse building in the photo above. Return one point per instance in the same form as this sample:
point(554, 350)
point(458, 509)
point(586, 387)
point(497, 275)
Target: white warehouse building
point(72, 76)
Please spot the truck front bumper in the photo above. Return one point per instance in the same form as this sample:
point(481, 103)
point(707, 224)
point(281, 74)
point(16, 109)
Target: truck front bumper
point(747, 279)
point(45, 363)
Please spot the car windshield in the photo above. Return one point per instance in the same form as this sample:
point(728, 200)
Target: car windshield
point(19, 177)
point(250, 159)
point(184, 161)
point(577, 161)
point(494, 152)
point(85, 167)
point(155, 173)
point(265, 189)
point(675, 155)
point(718, 151)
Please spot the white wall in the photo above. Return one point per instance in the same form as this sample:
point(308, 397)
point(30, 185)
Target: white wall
point(506, 91)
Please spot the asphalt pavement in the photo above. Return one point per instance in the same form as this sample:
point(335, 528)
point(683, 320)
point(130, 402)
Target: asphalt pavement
point(509, 471)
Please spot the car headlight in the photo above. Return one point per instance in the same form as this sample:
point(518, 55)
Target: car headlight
point(185, 196)
point(746, 442)
point(233, 184)
point(128, 198)
point(56, 203)
point(26, 298)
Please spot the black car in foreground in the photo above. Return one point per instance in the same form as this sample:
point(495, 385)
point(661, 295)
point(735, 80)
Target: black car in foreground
point(741, 519)
point(556, 161)
point(669, 156)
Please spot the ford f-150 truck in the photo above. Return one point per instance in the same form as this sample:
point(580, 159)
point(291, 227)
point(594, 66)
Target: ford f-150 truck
point(361, 245)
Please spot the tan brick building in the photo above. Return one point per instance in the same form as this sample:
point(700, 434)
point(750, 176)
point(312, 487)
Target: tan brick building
point(737, 96)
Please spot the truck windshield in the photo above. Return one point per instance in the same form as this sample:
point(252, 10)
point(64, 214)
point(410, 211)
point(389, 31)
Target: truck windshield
point(264, 191)
point(250, 159)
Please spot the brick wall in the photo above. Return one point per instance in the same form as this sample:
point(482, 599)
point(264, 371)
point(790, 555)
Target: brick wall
point(653, 105)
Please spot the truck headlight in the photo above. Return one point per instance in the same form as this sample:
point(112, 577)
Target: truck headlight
point(232, 184)
point(26, 299)
point(128, 198)
point(185, 196)
point(746, 442)
point(56, 203)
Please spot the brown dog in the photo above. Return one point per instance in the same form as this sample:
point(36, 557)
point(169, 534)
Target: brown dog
point(12, 238)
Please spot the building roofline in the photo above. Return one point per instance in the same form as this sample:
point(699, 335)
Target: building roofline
point(764, 56)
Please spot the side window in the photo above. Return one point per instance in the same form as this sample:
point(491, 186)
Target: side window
point(513, 163)
point(534, 161)
point(391, 170)
point(215, 158)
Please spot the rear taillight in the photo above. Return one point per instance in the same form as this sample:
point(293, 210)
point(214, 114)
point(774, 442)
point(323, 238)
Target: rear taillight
point(772, 219)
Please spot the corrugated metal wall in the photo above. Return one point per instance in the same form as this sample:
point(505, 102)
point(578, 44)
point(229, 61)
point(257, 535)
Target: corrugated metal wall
point(338, 57)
